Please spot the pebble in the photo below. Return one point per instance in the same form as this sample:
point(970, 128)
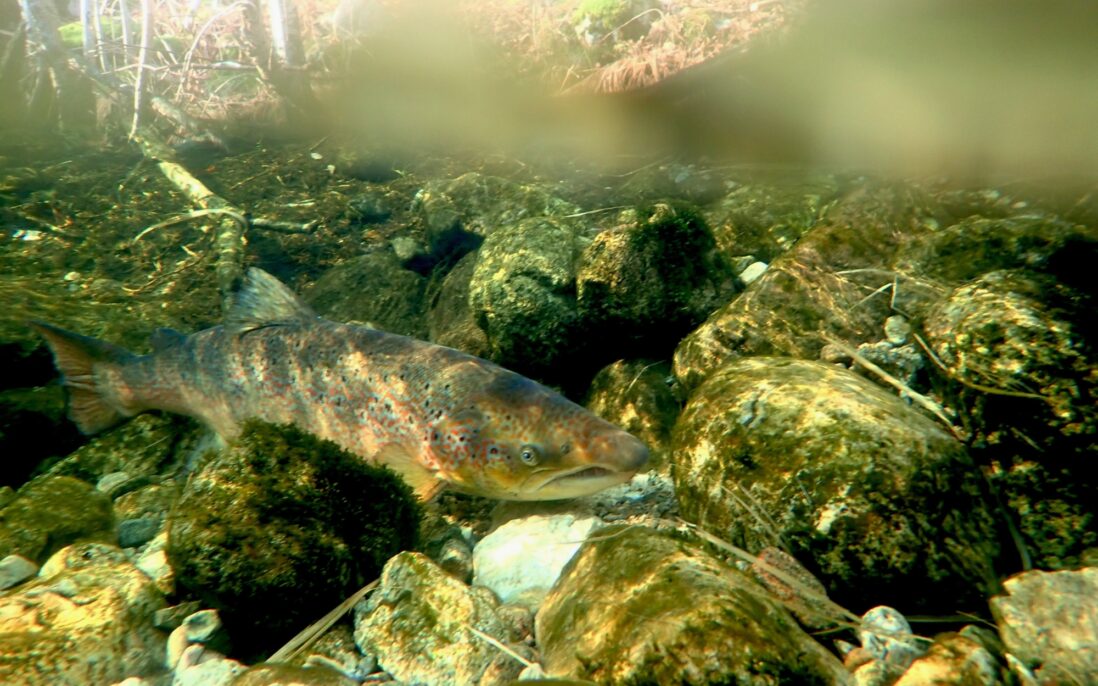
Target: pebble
point(753, 272)
point(168, 618)
point(109, 482)
point(137, 532)
point(15, 569)
point(154, 563)
point(522, 559)
point(897, 329)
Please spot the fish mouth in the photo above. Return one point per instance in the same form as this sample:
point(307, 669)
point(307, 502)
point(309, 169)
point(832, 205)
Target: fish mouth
point(582, 480)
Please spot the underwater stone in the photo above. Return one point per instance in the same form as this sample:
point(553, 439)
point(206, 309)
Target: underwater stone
point(14, 570)
point(644, 284)
point(374, 289)
point(752, 272)
point(953, 660)
point(450, 321)
point(50, 512)
point(417, 624)
point(640, 397)
point(1049, 621)
point(637, 606)
point(276, 674)
point(280, 527)
point(523, 294)
point(137, 532)
point(877, 500)
point(87, 619)
point(522, 559)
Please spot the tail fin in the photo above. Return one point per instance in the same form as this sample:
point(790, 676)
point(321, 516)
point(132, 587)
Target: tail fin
point(77, 357)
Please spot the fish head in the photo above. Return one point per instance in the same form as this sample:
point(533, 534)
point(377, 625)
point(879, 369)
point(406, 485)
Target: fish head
point(531, 443)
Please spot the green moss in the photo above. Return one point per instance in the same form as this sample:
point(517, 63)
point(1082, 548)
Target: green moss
point(281, 527)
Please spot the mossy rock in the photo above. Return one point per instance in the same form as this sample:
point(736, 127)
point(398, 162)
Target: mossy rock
point(146, 446)
point(280, 527)
point(646, 283)
point(1023, 332)
point(876, 499)
point(977, 245)
point(837, 279)
point(87, 619)
point(459, 213)
point(635, 606)
point(50, 512)
point(523, 294)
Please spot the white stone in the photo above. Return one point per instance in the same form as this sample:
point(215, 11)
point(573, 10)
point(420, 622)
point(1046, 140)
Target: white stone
point(753, 272)
point(201, 667)
point(154, 562)
point(15, 569)
point(522, 559)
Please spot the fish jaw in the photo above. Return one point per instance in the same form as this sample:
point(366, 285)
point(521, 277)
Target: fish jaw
point(607, 461)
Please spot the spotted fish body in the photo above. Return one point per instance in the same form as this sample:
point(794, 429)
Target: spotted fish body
point(438, 416)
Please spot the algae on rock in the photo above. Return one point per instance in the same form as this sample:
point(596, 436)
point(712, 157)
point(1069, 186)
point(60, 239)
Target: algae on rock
point(877, 499)
point(280, 527)
point(635, 606)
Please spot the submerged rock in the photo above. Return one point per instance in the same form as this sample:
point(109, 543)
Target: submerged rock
point(418, 624)
point(522, 559)
point(523, 294)
point(647, 282)
point(1049, 621)
point(281, 527)
point(50, 512)
point(640, 397)
point(831, 281)
point(636, 606)
point(273, 674)
point(450, 321)
point(767, 220)
point(1026, 349)
point(875, 498)
point(954, 660)
point(87, 619)
point(373, 289)
point(459, 213)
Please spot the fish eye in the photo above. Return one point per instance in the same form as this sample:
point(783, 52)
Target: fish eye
point(529, 455)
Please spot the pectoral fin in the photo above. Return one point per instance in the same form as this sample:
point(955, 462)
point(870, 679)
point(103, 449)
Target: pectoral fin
point(424, 481)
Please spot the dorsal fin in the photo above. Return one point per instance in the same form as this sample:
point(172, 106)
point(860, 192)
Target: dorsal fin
point(164, 339)
point(263, 301)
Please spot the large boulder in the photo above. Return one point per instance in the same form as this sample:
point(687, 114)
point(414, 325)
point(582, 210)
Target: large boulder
point(280, 527)
point(636, 606)
point(1024, 348)
point(450, 322)
point(837, 278)
point(373, 289)
point(639, 396)
point(878, 500)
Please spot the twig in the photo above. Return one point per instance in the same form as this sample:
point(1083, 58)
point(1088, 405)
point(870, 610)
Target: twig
point(970, 384)
point(494, 642)
point(311, 633)
point(192, 215)
point(918, 398)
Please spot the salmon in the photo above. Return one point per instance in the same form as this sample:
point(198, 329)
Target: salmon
point(439, 417)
